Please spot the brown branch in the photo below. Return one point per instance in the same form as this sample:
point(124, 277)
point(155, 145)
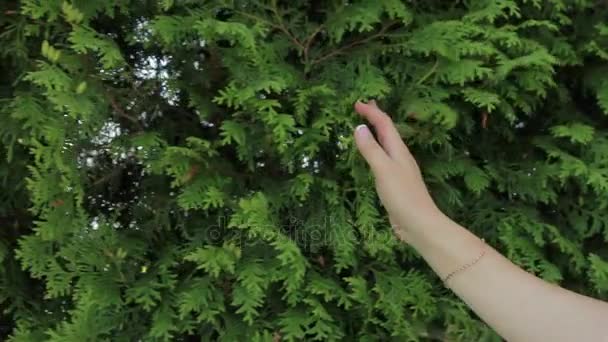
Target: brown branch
point(121, 112)
point(107, 177)
point(282, 26)
point(344, 48)
point(279, 27)
point(10, 12)
point(309, 41)
point(255, 17)
point(292, 37)
point(429, 73)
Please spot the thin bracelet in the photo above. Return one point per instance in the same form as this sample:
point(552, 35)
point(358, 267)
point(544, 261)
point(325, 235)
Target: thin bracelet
point(467, 265)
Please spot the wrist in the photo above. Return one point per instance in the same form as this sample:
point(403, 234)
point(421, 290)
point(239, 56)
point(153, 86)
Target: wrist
point(428, 230)
point(420, 224)
point(441, 238)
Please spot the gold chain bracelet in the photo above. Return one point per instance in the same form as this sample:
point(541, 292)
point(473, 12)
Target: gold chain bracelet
point(467, 265)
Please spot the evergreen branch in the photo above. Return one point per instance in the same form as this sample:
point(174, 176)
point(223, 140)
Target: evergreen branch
point(122, 113)
point(282, 26)
point(279, 27)
point(429, 73)
point(107, 177)
point(256, 18)
point(309, 41)
point(347, 47)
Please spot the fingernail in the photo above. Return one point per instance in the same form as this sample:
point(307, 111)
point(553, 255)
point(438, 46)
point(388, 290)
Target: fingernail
point(362, 131)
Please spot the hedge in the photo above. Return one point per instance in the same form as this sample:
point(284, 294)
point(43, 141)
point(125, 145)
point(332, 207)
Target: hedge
point(185, 170)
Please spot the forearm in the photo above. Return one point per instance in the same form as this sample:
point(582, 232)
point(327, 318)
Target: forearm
point(518, 305)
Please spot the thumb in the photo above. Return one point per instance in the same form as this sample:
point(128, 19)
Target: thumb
point(373, 153)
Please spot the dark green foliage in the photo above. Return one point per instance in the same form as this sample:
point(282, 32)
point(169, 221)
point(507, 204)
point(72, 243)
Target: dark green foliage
point(183, 169)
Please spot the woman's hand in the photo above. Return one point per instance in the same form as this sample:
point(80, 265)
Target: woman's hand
point(399, 182)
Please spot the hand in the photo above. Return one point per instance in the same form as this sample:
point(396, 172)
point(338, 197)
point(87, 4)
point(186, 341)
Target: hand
point(398, 179)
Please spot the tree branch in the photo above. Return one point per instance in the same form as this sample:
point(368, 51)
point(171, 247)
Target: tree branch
point(282, 26)
point(309, 41)
point(121, 112)
point(279, 27)
point(107, 176)
point(344, 48)
point(429, 73)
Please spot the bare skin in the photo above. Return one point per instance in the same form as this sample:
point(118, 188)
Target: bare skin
point(516, 304)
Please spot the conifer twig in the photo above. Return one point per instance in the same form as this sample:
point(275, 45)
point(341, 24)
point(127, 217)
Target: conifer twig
point(309, 41)
point(282, 26)
point(276, 26)
point(121, 111)
point(346, 47)
point(429, 73)
point(107, 177)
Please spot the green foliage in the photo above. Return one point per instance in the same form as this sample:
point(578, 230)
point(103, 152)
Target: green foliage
point(215, 259)
point(577, 132)
point(186, 169)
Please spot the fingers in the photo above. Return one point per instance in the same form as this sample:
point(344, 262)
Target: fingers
point(387, 132)
point(373, 153)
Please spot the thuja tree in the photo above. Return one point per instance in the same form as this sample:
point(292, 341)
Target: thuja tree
point(185, 170)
